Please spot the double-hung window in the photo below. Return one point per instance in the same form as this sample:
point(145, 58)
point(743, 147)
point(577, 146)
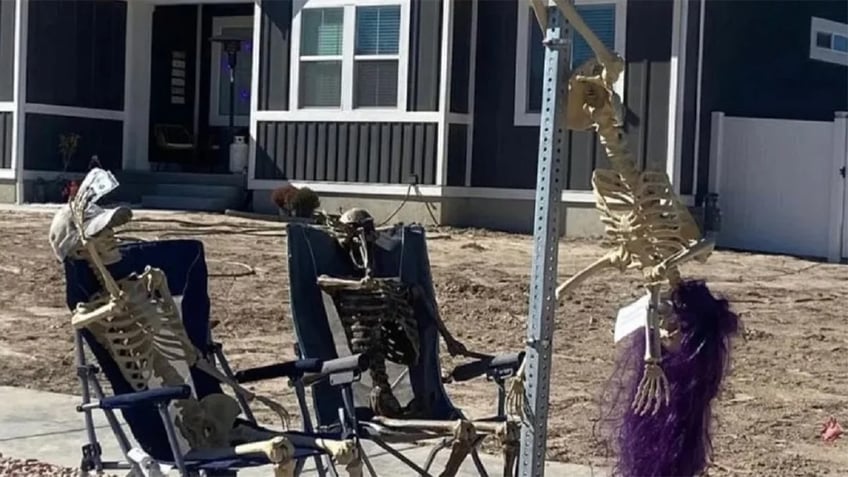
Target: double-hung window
point(350, 56)
point(607, 18)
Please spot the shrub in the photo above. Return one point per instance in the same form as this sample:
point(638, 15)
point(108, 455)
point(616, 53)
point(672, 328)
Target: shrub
point(304, 202)
point(282, 196)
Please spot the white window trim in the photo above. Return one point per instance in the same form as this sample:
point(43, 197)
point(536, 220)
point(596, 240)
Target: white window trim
point(823, 25)
point(348, 57)
point(521, 116)
point(218, 24)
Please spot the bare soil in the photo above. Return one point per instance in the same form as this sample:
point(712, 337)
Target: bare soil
point(789, 368)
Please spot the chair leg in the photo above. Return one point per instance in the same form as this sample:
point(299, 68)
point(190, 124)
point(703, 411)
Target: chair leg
point(367, 463)
point(172, 439)
point(509, 438)
point(399, 456)
point(433, 453)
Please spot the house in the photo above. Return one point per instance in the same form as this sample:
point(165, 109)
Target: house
point(430, 103)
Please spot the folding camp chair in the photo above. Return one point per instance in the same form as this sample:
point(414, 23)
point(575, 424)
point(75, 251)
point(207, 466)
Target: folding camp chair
point(146, 411)
point(401, 253)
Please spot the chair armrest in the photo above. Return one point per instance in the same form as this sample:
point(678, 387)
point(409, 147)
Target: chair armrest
point(149, 397)
point(298, 368)
point(499, 366)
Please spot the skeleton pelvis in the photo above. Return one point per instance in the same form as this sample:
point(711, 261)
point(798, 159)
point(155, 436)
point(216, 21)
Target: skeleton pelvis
point(207, 423)
point(587, 91)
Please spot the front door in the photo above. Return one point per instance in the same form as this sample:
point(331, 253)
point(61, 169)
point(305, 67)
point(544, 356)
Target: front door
point(190, 85)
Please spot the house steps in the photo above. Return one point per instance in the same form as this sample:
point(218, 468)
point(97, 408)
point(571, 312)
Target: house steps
point(180, 191)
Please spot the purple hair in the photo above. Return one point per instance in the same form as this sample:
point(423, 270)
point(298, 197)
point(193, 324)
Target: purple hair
point(675, 441)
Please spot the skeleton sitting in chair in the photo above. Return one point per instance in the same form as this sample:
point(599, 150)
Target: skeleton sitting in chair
point(138, 321)
point(378, 318)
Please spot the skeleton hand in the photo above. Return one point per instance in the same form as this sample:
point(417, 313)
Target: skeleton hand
point(515, 395)
point(455, 347)
point(652, 388)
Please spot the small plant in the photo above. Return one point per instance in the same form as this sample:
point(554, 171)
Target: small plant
point(295, 202)
point(282, 197)
point(304, 202)
point(68, 147)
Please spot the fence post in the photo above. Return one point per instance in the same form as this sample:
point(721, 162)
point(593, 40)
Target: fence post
point(716, 140)
point(836, 238)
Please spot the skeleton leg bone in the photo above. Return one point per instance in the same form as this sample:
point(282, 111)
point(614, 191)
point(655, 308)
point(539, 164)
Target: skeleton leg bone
point(278, 450)
point(463, 437)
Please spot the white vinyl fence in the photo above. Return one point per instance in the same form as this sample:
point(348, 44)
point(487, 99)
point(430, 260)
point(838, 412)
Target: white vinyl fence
point(781, 184)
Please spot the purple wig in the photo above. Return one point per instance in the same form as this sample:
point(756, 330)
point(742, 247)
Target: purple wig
point(675, 441)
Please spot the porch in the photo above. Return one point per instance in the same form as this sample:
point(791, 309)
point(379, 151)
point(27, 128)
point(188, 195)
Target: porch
point(140, 88)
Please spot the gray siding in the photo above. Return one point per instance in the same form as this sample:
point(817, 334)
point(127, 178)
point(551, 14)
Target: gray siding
point(460, 56)
point(6, 140)
point(457, 154)
point(687, 160)
point(100, 137)
point(274, 51)
point(75, 53)
point(796, 87)
point(346, 152)
point(425, 34)
point(7, 49)
point(505, 155)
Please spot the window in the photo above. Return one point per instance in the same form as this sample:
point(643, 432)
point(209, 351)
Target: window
point(376, 61)
point(219, 105)
point(606, 18)
point(828, 41)
point(350, 56)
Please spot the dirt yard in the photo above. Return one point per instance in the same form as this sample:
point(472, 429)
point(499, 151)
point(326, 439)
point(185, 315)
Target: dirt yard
point(789, 369)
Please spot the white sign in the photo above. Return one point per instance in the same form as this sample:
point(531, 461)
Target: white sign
point(632, 317)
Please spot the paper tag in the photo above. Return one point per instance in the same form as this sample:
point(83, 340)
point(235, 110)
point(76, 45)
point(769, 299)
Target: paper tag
point(632, 317)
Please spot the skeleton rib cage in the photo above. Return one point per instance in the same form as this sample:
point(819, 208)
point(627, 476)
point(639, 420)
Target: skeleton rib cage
point(378, 320)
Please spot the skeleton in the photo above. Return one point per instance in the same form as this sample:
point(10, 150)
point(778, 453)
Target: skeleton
point(138, 321)
point(376, 313)
point(378, 317)
point(650, 229)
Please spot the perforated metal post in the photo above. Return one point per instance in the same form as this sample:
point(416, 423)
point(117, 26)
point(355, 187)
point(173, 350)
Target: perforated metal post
point(553, 147)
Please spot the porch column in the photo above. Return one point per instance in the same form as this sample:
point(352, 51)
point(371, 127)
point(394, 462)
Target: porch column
point(19, 119)
point(137, 85)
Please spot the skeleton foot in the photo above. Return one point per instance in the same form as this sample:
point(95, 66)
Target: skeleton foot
point(652, 388)
point(384, 402)
point(464, 436)
point(278, 450)
point(344, 453)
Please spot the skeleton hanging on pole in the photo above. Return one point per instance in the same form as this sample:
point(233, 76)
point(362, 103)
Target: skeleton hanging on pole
point(663, 428)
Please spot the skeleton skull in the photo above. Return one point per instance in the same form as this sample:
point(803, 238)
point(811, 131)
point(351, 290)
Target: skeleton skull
point(99, 227)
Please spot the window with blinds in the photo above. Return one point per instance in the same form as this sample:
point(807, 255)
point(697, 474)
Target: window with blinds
point(321, 57)
point(599, 17)
point(372, 62)
point(376, 56)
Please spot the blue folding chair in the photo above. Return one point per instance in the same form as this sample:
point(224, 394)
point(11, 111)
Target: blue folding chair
point(146, 411)
point(401, 253)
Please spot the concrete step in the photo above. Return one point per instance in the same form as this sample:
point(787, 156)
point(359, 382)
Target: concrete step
point(151, 177)
point(195, 190)
point(178, 202)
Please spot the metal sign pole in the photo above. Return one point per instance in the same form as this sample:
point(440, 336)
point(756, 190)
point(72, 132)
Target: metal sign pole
point(553, 150)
